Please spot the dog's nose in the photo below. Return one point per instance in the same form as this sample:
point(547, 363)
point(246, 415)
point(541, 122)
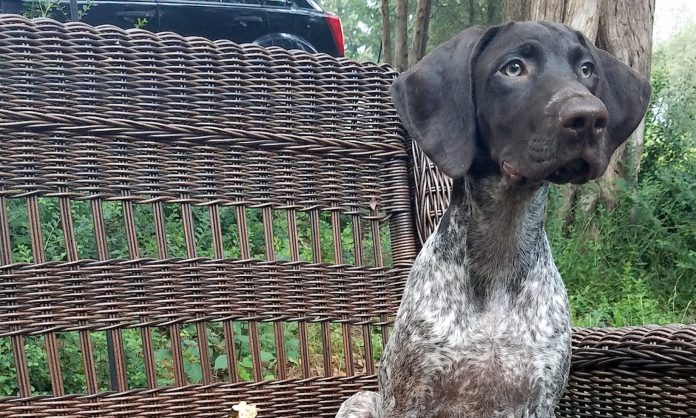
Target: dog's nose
point(585, 116)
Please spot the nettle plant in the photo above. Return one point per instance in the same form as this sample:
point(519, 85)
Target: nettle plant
point(54, 9)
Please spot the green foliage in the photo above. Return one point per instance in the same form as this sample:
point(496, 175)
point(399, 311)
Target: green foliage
point(140, 22)
point(362, 22)
point(635, 264)
point(53, 9)
point(361, 26)
point(450, 17)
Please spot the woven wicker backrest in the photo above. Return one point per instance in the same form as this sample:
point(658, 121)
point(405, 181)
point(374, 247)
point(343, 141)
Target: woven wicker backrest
point(197, 215)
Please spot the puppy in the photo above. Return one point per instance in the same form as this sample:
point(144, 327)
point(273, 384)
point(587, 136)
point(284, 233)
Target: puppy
point(483, 329)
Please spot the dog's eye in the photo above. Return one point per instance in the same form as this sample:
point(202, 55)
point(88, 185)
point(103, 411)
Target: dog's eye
point(514, 68)
point(586, 70)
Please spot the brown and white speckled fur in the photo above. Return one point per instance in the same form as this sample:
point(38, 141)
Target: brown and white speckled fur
point(486, 303)
point(483, 328)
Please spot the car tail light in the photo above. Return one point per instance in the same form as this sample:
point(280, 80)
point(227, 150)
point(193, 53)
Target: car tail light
point(337, 32)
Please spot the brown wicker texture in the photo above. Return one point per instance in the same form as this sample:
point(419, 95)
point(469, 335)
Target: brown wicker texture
point(141, 123)
point(432, 192)
point(232, 140)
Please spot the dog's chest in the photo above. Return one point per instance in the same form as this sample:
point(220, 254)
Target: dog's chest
point(497, 368)
point(502, 357)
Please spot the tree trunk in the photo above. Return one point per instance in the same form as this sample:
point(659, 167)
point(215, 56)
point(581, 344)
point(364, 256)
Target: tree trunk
point(517, 10)
point(472, 13)
point(401, 58)
point(583, 15)
point(625, 31)
point(74, 12)
point(386, 33)
point(549, 10)
point(420, 31)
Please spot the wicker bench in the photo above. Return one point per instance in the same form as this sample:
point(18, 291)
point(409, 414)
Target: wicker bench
point(278, 193)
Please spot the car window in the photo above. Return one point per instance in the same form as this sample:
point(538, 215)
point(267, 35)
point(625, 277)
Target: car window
point(246, 2)
point(249, 2)
point(300, 4)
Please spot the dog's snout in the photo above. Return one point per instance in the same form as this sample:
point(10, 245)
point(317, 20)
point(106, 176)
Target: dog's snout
point(584, 116)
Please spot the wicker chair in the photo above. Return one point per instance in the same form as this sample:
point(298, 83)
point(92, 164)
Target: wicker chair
point(241, 142)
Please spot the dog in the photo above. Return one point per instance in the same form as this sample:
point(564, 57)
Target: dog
point(483, 329)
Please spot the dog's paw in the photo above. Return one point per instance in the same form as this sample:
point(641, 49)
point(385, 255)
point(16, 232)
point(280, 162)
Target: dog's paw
point(360, 405)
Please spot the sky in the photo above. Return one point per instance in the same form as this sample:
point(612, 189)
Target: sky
point(671, 15)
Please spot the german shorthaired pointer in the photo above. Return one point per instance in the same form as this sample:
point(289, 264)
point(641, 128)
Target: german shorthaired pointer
point(483, 329)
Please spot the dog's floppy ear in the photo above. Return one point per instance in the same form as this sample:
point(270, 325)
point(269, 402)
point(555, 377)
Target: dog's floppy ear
point(435, 102)
point(625, 93)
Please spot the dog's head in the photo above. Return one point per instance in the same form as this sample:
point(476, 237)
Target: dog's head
point(534, 101)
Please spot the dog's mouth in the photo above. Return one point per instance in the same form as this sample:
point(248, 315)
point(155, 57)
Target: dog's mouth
point(576, 171)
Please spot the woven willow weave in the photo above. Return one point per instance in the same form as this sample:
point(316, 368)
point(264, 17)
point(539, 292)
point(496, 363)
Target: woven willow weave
point(248, 216)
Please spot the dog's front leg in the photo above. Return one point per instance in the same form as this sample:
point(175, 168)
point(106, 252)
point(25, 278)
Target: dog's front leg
point(410, 376)
point(361, 405)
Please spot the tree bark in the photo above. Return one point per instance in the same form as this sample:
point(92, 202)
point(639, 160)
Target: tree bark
point(625, 31)
point(583, 15)
point(420, 31)
point(517, 10)
point(401, 50)
point(549, 10)
point(386, 33)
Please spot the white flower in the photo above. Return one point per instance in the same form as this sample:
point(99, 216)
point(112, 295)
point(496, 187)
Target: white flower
point(245, 410)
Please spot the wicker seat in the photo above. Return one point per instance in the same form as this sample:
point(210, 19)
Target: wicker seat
point(250, 222)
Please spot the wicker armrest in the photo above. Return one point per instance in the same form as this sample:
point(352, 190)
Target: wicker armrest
point(647, 371)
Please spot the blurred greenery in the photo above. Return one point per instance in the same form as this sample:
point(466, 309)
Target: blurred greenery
point(362, 22)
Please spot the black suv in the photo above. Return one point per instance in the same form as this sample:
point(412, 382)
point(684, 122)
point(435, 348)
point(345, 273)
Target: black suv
point(292, 24)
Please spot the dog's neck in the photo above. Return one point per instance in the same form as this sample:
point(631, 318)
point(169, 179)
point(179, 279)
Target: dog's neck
point(501, 226)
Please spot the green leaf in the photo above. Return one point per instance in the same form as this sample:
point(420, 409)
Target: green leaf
point(266, 356)
point(246, 362)
point(163, 354)
point(220, 362)
point(244, 374)
point(194, 371)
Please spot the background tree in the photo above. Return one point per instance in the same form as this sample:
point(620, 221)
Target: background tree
point(401, 32)
point(450, 17)
point(420, 31)
point(401, 50)
point(625, 30)
point(386, 32)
